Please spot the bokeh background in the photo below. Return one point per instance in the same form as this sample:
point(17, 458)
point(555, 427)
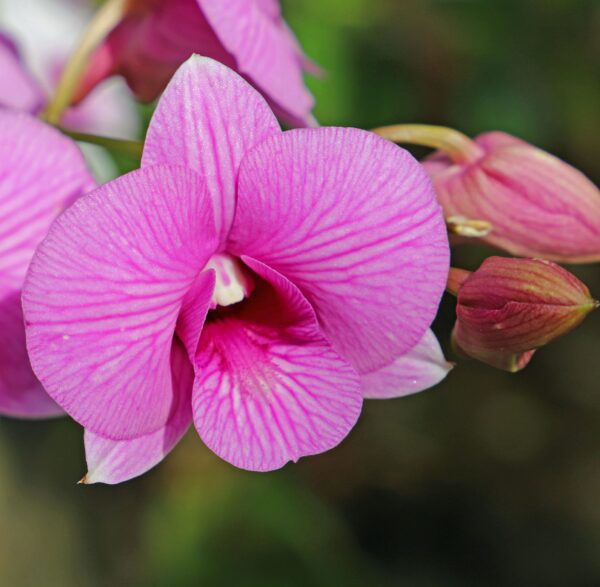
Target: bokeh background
point(489, 479)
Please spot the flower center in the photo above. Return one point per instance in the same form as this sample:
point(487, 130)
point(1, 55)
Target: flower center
point(233, 281)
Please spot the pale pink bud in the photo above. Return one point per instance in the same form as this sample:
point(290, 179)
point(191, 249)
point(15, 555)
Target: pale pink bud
point(538, 205)
point(510, 307)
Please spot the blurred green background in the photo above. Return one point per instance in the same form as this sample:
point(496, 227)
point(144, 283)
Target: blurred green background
point(488, 479)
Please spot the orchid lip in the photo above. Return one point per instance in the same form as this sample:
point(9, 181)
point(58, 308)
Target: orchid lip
point(233, 282)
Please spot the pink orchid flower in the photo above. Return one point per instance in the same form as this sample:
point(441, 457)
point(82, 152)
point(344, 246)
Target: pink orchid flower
point(257, 282)
point(156, 36)
point(41, 172)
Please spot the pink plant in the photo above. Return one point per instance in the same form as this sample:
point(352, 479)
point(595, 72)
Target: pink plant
point(538, 205)
point(41, 172)
point(256, 282)
point(36, 38)
point(156, 36)
point(508, 308)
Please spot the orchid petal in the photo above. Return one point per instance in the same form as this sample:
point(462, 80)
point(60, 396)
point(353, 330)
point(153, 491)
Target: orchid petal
point(265, 51)
point(115, 461)
point(103, 294)
point(18, 89)
point(421, 368)
point(269, 388)
point(352, 220)
point(41, 172)
point(21, 394)
point(270, 8)
point(193, 313)
point(207, 119)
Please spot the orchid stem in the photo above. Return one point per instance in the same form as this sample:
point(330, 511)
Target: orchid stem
point(105, 20)
point(131, 149)
point(459, 147)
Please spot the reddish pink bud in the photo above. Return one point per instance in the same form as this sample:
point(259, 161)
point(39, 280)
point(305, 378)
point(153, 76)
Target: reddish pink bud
point(510, 307)
point(538, 205)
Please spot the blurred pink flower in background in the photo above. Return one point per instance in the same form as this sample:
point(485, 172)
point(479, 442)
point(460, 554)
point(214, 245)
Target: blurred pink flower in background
point(537, 205)
point(41, 172)
point(255, 282)
point(250, 36)
point(36, 38)
point(18, 88)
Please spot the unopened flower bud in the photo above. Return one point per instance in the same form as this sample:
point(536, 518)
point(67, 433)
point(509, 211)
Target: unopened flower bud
point(508, 308)
point(537, 205)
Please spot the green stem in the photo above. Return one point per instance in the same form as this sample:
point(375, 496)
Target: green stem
point(131, 149)
point(459, 147)
point(105, 20)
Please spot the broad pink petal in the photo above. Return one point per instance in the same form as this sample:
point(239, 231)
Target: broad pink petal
point(41, 172)
point(115, 461)
point(18, 89)
point(207, 119)
point(265, 51)
point(269, 388)
point(103, 294)
point(352, 220)
point(420, 368)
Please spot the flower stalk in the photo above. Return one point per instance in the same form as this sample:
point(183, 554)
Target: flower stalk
point(459, 147)
point(107, 17)
point(131, 149)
